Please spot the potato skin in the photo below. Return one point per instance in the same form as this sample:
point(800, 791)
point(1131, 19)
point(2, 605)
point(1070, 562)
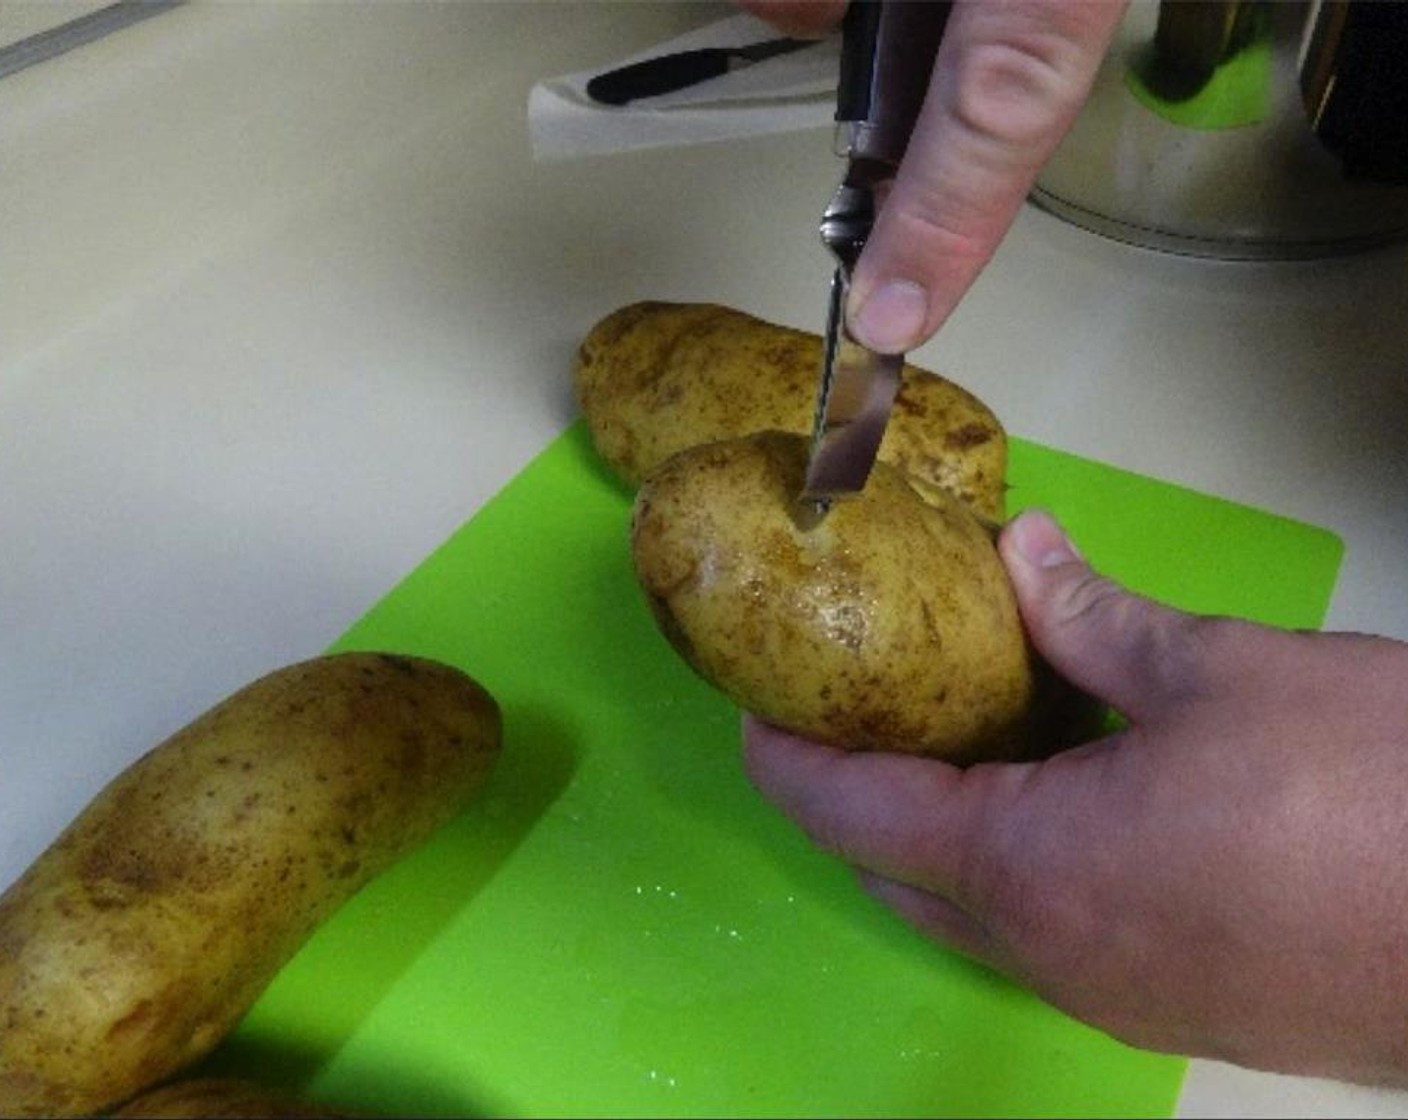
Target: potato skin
point(891, 625)
point(217, 1098)
point(655, 378)
point(142, 935)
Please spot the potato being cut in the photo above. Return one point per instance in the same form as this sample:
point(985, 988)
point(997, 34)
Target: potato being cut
point(888, 625)
point(142, 935)
point(655, 378)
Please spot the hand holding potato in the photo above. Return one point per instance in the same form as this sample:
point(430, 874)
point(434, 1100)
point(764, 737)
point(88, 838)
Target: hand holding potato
point(1222, 879)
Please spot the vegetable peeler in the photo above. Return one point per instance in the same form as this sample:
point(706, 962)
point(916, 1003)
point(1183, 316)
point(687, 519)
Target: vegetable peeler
point(888, 49)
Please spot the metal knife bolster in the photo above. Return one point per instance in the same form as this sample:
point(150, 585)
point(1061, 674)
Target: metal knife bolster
point(888, 48)
point(858, 386)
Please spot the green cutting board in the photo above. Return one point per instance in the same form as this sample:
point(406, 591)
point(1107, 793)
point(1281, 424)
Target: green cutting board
point(620, 926)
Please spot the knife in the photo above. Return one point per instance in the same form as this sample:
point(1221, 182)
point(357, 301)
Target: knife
point(888, 49)
point(682, 69)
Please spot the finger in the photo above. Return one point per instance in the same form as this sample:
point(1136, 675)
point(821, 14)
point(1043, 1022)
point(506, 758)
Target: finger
point(1136, 655)
point(1007, 85)
point(939, 918)
point(803, 18)
point(916, 820)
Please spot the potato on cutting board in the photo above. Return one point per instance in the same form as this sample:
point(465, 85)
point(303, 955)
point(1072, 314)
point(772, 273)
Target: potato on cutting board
point(888, 625)
point(217, 1098)
point(655, 378)
point(143, 934)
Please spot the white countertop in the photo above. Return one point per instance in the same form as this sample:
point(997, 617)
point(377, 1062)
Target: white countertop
point(283, 300)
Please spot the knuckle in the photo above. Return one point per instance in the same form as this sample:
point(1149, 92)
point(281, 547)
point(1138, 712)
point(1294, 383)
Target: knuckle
point(1031, 900)
point(1174, 653)
point(828, 836)
point(1068, 939)
point(1038, 884)
point(1049, 927)
point(940, 226)
point(1017, 90)
point(1179, 652)
point(1090, 601)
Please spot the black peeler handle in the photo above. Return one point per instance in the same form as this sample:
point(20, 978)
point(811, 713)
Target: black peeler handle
point(888, 49)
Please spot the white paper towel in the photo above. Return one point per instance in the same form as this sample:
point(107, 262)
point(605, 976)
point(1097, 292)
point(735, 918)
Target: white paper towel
point(786, 93)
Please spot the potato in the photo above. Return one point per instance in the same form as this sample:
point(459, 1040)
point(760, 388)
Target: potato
point(655, 378)
point(140, 937)
point(215, 1098)
point(888, 625)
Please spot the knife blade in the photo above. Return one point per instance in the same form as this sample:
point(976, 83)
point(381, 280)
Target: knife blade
point(667, 73)
point(858, 386)
point(888, 49)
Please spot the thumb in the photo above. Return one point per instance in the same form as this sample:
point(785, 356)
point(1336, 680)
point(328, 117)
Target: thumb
point(1007, 85)
point(805, 18)
point(1134, 654)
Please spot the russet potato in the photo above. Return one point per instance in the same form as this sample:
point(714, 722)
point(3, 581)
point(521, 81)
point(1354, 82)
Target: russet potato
point(218, 1098)
point(655, 378)
point(142, 935)
point(890, 624)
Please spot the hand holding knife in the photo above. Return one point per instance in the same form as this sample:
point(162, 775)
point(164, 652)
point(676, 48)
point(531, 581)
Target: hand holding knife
point(887, 55)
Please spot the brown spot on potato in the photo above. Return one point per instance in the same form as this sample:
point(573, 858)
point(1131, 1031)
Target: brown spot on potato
point(968, 436)
point(674, 632)
point(139, 1017)
point(399, 663)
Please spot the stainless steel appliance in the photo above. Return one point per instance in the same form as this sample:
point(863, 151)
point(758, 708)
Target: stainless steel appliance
point(1243, 129)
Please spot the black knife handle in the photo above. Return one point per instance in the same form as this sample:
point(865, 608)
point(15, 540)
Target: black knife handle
point(888, 49)
point(660, 75)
